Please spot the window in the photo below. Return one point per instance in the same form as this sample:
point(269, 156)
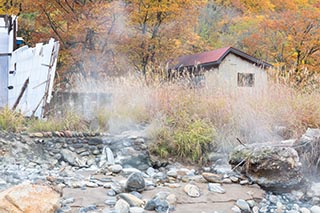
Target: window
point(245, 79)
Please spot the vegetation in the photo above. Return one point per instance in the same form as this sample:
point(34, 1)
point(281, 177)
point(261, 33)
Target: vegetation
point(10, 120)
point(106, 38)
point(101, 40)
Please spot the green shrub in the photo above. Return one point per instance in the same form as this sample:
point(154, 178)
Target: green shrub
point(188, 140)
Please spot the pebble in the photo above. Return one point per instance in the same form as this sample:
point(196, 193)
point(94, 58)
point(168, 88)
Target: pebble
point(255, 209)
point(136, 210)
point(122, 206)
point(216, 187)
point(172, 199)
point(111, 192)
point(131, 200)
point(115, 168)
point(243, 205)
point(172, 173)
point(111, 201)
point(251, 203)
point(273, 199)
point(192, 190)
point(244, 182)
point(280, 207)
point(304, 210)
point(236, 209)
point(87, 209)
point(151, 171)
point(212, 178)
point(315, 209)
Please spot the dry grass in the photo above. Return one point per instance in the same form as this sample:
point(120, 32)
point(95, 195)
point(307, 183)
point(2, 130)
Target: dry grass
point(180, 117)
point(173, 107)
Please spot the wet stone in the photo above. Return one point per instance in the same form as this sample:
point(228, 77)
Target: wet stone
point(111, 192)
point(243, 205)
point(111, 201)
point(216, 187)
point(192, 190)
point(135, 182)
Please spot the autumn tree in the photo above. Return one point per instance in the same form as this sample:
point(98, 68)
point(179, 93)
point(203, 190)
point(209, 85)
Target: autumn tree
point(291, 40)
point(158, 30)
point(10, 7)
point(85, 31)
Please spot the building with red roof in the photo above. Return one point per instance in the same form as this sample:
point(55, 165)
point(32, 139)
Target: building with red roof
point(228, 65)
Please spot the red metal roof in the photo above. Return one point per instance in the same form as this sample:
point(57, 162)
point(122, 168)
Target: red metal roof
point(215, 57)
point(202, 58)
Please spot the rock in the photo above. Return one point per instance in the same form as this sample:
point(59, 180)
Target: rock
point(243, 205)
point(29, 198)
point(122, 206)
point(236, 209)
point(251, 203)
point(137, 194)
point(88, 209)
point(308, 147)
point(162, 206)
point(315, 209)
point(151, 171)
point(314, 190)
point(111, 192)
point(111, 201)
point(269, 165)
point(38, 135)
point(227, 181)
point(172, 199)
point(212, 178)
point(116, 187)
point(172, 173)
point(273, 199)
point(216, 187)
point(132, 200)
point(136, 210)
point(192, 190)
point(157, 204)
point(244, 182)
point(107, 157)
point(255, 209)
point(150, 205)
point(69, 156)
point(280, 207)
point(115, 168)
point(304, 210)
point(68, 201)
point(135, 182)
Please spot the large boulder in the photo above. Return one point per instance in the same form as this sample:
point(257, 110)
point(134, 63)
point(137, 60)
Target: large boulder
point(29, 198)
point(270, 165)
point(308, 147)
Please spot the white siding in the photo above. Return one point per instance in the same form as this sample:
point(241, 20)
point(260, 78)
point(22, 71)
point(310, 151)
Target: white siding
point(38, 64)
point(226, 76)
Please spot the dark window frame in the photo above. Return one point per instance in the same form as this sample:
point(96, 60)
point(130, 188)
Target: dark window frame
point(246, 79)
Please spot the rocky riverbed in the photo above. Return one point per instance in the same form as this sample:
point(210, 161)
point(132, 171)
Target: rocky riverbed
point(114, 173)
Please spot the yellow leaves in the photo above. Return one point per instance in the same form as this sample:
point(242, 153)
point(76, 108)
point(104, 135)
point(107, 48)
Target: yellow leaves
point(10, 7)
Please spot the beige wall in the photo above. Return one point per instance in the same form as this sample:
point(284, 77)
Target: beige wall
point(226, 76)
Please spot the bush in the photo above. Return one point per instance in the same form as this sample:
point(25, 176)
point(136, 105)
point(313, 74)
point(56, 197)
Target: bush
point(187, 140)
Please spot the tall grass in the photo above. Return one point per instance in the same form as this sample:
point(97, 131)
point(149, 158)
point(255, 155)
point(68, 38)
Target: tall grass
point(185, 122)
point(181, 117)
point(10, 120)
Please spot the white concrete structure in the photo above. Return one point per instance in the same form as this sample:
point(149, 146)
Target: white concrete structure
point(27, 74)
